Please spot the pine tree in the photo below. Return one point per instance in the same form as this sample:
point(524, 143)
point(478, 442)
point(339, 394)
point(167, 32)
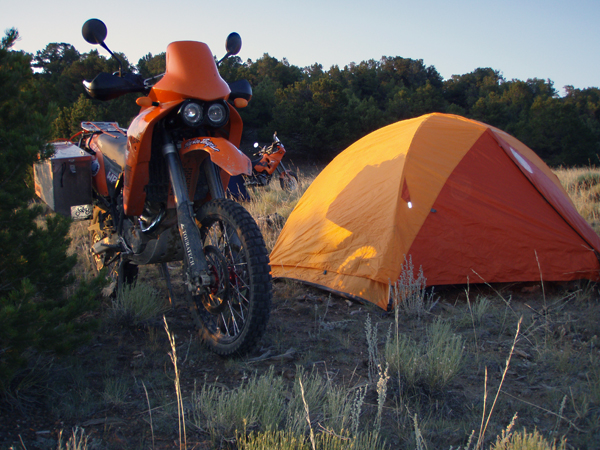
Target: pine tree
point(34, 266)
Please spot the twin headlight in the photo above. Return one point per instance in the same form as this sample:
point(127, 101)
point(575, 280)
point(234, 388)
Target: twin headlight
point(194, 114)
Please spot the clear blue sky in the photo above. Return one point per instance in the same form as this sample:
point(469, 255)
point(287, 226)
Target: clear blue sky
point(550, 39)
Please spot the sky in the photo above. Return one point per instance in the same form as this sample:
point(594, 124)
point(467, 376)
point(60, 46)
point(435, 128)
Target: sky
point(522, 39)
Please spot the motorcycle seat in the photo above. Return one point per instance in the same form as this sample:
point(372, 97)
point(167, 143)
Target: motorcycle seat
point(113, 146)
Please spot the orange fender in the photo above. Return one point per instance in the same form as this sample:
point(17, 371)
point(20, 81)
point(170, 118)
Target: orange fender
point(222, 152)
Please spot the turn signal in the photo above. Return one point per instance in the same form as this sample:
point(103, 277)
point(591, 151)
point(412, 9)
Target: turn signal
point(146, 101)
point(240, 103)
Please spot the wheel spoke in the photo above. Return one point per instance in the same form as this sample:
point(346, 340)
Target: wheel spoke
point(242, 260)
point(232, 322)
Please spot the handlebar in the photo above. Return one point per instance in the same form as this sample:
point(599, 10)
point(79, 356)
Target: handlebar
point(268, 150)
point(148, 81)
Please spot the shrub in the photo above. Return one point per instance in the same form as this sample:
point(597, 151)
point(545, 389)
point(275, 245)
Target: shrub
point(409, 294)
point(433, 362)
point(137, 303)
point(588, 180)
point(522, 440)
point(36, 312)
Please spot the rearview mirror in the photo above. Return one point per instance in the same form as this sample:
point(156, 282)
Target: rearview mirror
point(94, 31)
point(233, 44)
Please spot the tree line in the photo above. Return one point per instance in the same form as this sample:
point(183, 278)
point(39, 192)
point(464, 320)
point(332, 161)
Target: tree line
point(318, 112)
point(322, 112)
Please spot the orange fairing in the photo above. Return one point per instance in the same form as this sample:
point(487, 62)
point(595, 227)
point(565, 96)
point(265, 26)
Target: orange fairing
point(99, 180)
point(139, 144)
point(222, 152)
point(269, 162)
point(191, 73)
point(234, 128)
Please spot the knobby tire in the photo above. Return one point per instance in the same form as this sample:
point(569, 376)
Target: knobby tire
point(289, 181)
point(236, 326)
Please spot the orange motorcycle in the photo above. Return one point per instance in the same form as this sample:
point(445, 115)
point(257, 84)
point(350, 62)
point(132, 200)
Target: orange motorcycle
point(270, 163)
point(159, 190)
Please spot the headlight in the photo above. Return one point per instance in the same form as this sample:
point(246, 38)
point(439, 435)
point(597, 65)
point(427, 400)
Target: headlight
point(217, 114)
point(191, 114)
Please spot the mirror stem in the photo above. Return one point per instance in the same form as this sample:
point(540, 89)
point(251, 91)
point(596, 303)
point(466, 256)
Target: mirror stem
point(223, 59)
point(103, 45)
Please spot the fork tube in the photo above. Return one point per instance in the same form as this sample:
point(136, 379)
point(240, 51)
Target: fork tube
point(215, 185)
point(190, 235)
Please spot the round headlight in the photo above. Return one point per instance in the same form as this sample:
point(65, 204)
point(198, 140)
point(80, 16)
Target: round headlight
point(192, 114)
point(217, 114)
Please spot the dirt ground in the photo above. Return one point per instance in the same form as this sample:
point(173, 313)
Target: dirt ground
point(107, 386)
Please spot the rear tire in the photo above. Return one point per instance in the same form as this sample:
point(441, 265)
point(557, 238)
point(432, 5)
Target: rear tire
point(118, 271)
point(233, 316)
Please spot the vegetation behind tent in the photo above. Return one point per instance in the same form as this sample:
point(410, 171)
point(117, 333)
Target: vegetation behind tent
point(320, 112)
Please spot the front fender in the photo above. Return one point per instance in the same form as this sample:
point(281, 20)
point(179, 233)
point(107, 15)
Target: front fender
point(222, 152)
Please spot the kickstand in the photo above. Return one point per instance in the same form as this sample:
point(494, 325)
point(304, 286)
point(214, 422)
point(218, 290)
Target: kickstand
point(165, 273)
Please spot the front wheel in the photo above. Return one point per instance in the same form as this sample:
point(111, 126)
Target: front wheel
point(232, 316)
point(288, 181)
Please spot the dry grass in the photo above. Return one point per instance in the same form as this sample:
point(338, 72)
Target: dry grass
point(424, 384)
point(583, 186)
point(137, 303)
point(271, 206)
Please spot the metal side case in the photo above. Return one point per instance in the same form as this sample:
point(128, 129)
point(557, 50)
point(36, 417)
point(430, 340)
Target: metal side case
point(64, 182)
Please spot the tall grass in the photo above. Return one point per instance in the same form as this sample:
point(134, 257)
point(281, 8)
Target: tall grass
point(583, 186)
point(409, 293)
point(522, 440)
point(271, 206)
point(77, 441)
point(177, 381)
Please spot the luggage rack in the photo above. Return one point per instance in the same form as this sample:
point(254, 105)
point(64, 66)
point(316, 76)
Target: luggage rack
point(103, 126)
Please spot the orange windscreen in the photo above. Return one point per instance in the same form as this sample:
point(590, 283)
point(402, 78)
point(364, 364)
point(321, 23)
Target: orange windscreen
point(191, 73)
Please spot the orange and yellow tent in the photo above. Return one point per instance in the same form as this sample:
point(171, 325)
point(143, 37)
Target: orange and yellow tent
point(466, 201)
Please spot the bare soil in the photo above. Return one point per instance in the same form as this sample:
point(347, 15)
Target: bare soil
point(120, 386)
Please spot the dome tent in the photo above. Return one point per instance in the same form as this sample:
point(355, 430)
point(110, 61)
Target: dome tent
point(466, 201)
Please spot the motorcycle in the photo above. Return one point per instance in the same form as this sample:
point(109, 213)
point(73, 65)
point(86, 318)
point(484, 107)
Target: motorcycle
point(269, 163)
point(159, 190)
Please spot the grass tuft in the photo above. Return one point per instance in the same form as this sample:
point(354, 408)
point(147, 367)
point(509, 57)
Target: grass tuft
point(522, 440)
point(137, 303)
point(77, 441)
point(433, 362)
point(409, 294)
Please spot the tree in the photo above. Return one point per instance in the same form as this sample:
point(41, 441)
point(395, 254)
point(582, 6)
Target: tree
point(34, 267)
point(150, 66)
point(320, 112)
point(559, 135)
point(55, 58)
point(463, 91)
point(69, 119)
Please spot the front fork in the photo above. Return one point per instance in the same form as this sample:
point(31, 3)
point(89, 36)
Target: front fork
point(281, 170)
point(197, 268)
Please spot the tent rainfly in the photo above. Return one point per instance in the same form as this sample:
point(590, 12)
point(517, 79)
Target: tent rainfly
point(466, 201)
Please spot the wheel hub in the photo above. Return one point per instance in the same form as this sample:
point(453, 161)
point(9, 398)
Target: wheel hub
point(216, 300)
